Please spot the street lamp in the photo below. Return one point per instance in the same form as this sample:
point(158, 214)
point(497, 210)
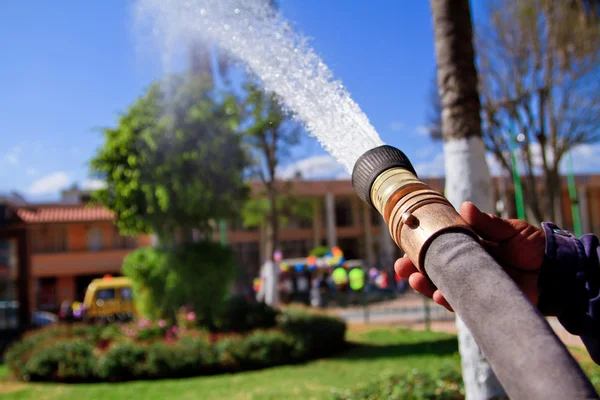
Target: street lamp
point(515, 170)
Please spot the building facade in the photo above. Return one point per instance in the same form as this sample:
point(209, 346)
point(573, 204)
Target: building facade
point(70, 243)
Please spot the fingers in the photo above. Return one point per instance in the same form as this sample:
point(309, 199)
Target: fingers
point(441, 300)
point(404, 267)
point(421, 284)
point(488, 226)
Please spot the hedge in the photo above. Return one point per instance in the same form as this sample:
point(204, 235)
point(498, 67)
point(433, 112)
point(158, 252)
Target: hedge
point(444, 384)
point(82, 353)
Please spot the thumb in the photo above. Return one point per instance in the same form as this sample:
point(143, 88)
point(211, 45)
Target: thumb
point(489, 227)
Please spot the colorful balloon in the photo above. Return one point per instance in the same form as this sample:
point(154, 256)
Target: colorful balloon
point(311, 260)
point(340, 276)
point(337, 252)
point(357, 279)
point(278, 255)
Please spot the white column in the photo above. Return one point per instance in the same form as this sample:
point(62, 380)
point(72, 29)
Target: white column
point(370, 256)
point(584, 214)
point(317, 222)
point(330, 215)
point(387, 246)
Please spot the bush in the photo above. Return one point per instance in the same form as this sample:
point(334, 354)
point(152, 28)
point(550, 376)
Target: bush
point(239, 315)
point(63, 361)
point(188, 357)
point(315, 335)
point(257, 350)
point(446, 384)
point(116, 353)
point(165, 280)
point(122, 361)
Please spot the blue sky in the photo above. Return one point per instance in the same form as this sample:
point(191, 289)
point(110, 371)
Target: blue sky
point(70, 67)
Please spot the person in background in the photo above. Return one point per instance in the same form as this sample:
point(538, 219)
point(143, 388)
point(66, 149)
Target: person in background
point(303, 286)
point(558, 272)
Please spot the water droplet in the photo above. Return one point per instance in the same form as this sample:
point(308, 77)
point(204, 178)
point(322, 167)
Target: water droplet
point(237, 11)
point(226, 27)
point(202, 11)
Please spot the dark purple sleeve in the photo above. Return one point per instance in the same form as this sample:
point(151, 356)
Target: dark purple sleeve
point(569, 284)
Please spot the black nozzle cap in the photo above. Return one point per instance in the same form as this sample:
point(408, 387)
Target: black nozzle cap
point(372, 164)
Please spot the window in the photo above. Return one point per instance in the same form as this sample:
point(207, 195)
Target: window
point(105, 294)
point(8, 285)
point(375, 217)
point(95, 240)
point(343, 212)
point(295, 248)
point(47, 300)
point(122, 242)
point(126, 293)
point(49, 239)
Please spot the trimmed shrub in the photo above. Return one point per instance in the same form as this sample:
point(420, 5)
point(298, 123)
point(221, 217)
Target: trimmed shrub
point(446, 384)
point(257, 350)
point(122, 361)
point(78, 353)
point(241, 316)
point(62, 361)
point(188, 357)
point(314, 335)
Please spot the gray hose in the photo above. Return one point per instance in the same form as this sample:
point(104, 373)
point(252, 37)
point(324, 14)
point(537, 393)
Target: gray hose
point(527, 357)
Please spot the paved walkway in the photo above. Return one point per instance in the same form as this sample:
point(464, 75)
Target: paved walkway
point(402, 312)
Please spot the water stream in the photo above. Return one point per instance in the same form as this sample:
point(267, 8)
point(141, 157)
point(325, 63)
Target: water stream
point(252, 32)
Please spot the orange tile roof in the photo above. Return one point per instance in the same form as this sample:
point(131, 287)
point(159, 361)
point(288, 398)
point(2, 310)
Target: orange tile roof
point(64, 213)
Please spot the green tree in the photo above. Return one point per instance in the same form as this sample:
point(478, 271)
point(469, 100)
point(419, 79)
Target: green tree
point(174, 163)
point(270, 135)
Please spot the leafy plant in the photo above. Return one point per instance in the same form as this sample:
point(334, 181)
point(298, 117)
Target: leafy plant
point(197, 274)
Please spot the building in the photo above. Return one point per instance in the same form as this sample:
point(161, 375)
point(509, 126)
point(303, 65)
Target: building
point(70, 243)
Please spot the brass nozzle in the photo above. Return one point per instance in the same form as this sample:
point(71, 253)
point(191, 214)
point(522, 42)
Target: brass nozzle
point(415, 214)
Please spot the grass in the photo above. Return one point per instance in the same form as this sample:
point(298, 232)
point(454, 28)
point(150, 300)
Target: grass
point(376, 352)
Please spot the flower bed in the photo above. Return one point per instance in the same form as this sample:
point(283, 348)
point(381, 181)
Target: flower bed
point(144, 350)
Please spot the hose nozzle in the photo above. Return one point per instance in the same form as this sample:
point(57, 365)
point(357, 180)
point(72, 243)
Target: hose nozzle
point(385, 179)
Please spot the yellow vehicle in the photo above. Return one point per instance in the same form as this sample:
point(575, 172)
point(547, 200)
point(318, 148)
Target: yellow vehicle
point(109, 299)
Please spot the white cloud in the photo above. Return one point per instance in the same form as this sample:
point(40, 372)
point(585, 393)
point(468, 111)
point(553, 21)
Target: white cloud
point(315, 167)
point(432, 167)
point(585, 159)
point(396, 126)
point(435, 166)
point(422, 130)
point(49, 184)
point(93, 184)
point(31, 171)
point(13, 156)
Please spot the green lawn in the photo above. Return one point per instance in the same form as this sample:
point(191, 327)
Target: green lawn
point(379, 352)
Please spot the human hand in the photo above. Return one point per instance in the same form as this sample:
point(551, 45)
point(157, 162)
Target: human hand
point(516, 245)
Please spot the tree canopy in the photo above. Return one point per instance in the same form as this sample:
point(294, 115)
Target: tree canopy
point(174, 161)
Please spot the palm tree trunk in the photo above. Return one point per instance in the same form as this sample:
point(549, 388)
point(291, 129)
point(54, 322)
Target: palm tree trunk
point(467, 173)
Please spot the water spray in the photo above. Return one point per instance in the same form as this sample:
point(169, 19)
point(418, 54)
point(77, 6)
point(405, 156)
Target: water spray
point(523, 350)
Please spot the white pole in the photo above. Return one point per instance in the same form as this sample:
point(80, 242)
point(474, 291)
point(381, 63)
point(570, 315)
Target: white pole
point(468, 179)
